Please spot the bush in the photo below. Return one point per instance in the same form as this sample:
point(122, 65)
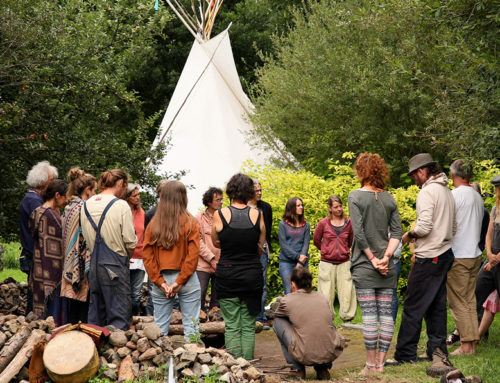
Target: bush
point(279, 185)
point(12, 251)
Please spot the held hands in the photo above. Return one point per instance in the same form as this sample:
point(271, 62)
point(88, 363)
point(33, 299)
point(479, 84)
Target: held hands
point(171, 290)
point(381, 265)
point(302, 261)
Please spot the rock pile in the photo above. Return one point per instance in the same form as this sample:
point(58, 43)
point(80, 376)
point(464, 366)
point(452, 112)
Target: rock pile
point(141, 352)
point(13, 297)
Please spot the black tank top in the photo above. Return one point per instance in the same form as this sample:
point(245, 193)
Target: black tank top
point(239, 238)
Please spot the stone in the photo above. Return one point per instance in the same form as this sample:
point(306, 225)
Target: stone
point(176, 317)
point(205, 358)
point(194, 347)
point(271, 378)
point(108, 354)
point(188, 373)
point(111, 328)
point(166, 344)
point(158, 360)
point(30, 317)
point(252, 373)
point(222, 369)
point(112, 366)
point(196, 369)
point(242, 362)
point(151, 371)
point(131, 345)
point(179, 351)
point(188, 356)
point(21, 319)
point(235, 369)
point(125, 373)
point(203, 316)
point(148, 354)
point(205, 370)
point(229, 360)
point(134, 338)
point(212, 351)
point(142, 345)
point(123, 352)
point(136, 369)
point(118, 338)
point(140, 333)
point(218, 361)
point(103, 361)
point(225, 378)
point(239, 375)
point(129, 333)
point(135, 356)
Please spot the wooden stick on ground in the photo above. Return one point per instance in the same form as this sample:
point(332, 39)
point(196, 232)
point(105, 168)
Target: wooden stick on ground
point(22, 356)
point(11, 348)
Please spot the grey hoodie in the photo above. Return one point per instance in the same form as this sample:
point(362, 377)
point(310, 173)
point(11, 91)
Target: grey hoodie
point(436, 223)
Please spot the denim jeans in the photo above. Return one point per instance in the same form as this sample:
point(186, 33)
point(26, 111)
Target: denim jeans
point(261, 317)
point(395, 302)
point(286, 269)
point(189, 300)
point(136, 282)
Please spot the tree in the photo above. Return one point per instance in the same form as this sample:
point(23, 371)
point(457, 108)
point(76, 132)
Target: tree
point(65, 69)
point(394, 77)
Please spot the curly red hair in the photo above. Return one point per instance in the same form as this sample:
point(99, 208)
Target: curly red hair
point(372, 170)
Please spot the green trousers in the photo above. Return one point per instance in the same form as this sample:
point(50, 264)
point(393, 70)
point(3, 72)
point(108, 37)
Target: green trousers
point(240, 327)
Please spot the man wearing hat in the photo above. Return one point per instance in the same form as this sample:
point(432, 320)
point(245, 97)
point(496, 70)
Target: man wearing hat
point(426, 294)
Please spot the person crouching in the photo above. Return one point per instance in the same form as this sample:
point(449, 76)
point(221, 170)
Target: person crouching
point(306, 339)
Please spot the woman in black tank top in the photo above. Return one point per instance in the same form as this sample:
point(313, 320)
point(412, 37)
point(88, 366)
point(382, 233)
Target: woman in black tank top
point(240, 233)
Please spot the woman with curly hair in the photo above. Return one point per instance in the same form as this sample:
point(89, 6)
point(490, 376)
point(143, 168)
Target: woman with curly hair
point(374, 214)
point(294, 234)
point(240, 233)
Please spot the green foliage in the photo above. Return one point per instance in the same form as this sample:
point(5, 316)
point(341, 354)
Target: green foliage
point(17, 274)
point(12, 251)
point(65, 80)
point(393, 77)
point(278, 185)
point(213, 376)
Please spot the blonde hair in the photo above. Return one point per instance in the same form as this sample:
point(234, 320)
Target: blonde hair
point(109, 178)
point(172, 213)
point(79, 181)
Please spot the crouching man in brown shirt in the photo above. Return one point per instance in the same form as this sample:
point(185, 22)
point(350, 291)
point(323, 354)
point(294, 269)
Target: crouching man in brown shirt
point(304, 327)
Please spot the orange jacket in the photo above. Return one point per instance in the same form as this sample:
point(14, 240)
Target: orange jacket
point(182, 256)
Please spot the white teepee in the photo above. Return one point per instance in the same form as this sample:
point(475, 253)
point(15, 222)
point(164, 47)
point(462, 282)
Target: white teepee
point(206, 121)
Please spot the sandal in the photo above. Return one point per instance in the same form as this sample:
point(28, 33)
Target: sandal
point(368, 368)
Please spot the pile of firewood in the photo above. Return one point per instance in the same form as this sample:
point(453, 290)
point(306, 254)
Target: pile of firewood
point(139, 352)
point(13, 297)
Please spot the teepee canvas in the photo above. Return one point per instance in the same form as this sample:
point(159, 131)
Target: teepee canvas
point(206, 122)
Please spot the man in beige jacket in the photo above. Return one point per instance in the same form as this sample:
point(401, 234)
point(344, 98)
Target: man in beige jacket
point(426, 294)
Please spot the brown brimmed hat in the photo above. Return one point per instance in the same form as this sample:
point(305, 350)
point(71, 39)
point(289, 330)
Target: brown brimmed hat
point(419, 161)
point(495, 181)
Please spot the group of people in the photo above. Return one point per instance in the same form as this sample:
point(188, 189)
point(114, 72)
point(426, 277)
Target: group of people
point(90, 264)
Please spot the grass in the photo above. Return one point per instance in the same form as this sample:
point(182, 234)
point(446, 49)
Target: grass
point(10, 258)
point(18, 275)
point(486, 362)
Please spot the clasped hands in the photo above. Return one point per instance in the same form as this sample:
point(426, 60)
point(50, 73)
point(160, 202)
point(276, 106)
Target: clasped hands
point(381, 265)
point(171, 290)
point(493, 260)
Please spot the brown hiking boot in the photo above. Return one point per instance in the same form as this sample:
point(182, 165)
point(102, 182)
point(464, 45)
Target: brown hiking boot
point(440, 364)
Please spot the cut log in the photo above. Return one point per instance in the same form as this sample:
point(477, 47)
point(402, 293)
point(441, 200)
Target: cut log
point(22, 356)
point(13, 346)
point(206, 328)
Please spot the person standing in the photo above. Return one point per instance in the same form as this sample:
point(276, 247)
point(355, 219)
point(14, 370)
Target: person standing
point(374, 214)
point(307, 339)
point(137, 270)
point(209, 254)
point(333, 237)
point(461, 279)
point(45, 275)
point(39, 177)
point(267, 212)
point(434, 230)
point(240, 233)
point(294, 234)
point(108, 229)
point(75, 282)
point(171, 251)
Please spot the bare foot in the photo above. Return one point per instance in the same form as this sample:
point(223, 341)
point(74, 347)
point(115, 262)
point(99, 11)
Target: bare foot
point(369, 368)
point(461, 351)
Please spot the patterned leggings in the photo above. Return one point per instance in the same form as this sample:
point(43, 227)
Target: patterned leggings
point(376, 306)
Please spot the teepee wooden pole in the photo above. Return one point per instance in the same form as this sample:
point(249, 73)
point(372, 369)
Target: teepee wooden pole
point(184, 22)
